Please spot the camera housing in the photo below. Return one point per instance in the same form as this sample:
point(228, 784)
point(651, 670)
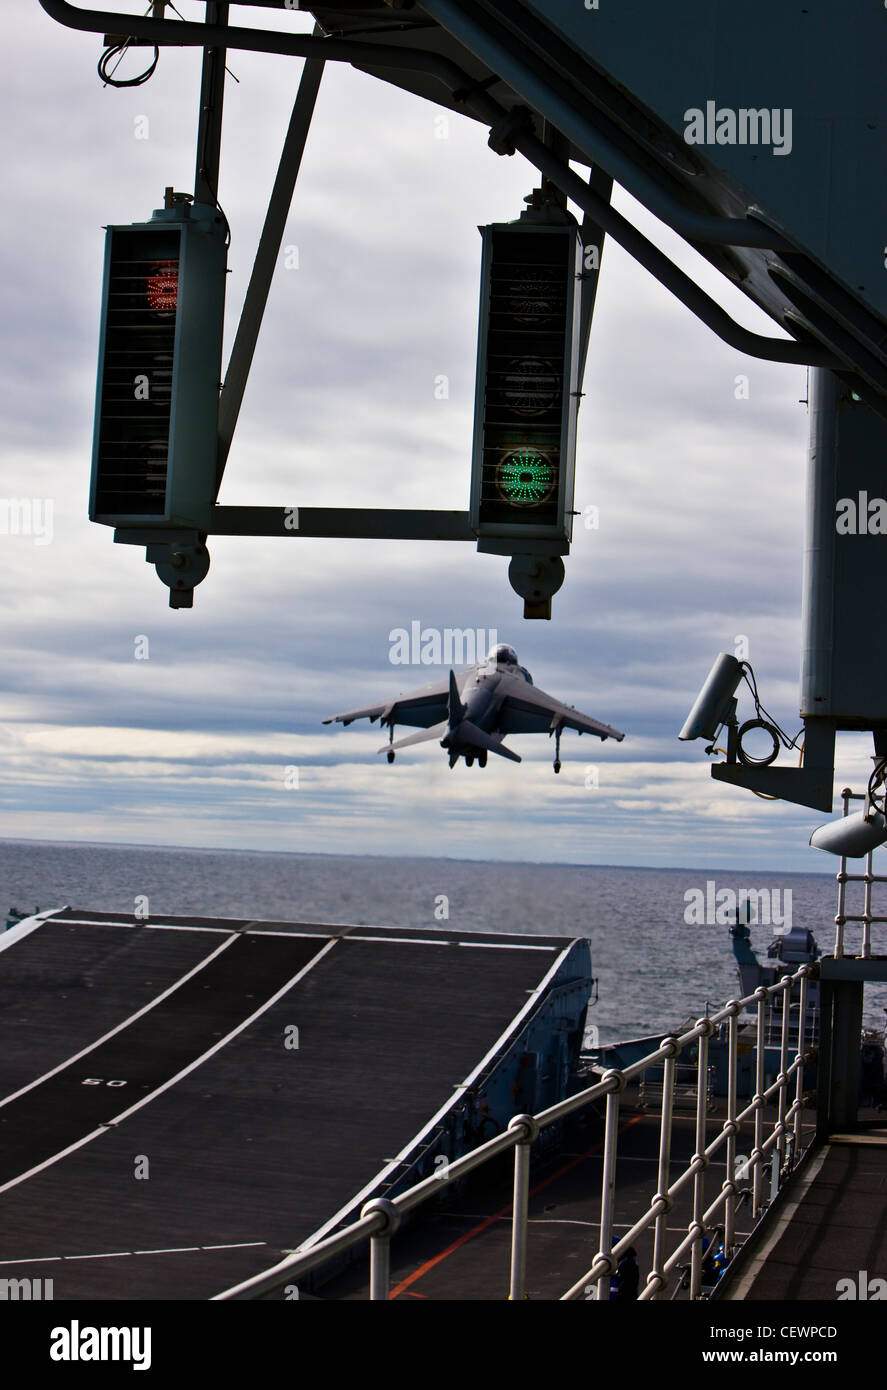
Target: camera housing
point(715, 704)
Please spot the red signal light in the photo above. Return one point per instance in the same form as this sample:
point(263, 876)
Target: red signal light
point(163, 286)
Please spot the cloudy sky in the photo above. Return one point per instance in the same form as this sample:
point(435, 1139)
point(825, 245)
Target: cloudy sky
point(699, 495)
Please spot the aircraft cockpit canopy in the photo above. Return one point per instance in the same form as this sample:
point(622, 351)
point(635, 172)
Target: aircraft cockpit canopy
point(503, 655)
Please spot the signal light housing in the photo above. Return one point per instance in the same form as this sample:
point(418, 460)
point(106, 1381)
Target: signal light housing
point(523, 461)
point(155, 450)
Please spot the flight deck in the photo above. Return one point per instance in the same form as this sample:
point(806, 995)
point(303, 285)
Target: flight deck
point(183, 1100)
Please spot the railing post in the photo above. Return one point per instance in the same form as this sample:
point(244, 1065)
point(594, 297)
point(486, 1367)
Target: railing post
point(672, 1048)
point(866, 950)
point(757, 1154)
point(380, 1247)
point(783, 1080)
point(608, 1179)
point(731, 1127)
point(519, 1215)
point(699, 1156)
point(802, 1048)
point(840, 917)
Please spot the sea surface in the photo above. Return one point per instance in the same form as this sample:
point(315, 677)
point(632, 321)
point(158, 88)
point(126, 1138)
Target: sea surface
point(654, 968)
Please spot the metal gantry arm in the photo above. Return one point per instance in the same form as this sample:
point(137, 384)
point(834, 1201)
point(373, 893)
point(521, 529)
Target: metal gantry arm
point(209, 127)
point(465, 90)
point(182, 560)
point(692, 226)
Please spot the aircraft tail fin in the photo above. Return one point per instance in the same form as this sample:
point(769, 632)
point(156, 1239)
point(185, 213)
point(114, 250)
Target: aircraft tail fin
point(455, 708)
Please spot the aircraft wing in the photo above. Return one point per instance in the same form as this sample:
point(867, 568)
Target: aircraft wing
point(421, 708)
point(528, 710)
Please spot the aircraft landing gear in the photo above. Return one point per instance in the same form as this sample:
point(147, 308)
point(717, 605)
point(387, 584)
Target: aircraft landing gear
point(557, 749)
point(557, 765)
point(482, 759)
point(390, 755)
point(454, 758)
point(469, 760)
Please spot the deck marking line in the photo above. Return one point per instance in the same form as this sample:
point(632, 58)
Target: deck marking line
point(168, 926)
point(107, 1255)
point(436, 941)
point(12, 935)
point(404, 940)
point(314, 935)
point(192, 1066)
point(69, 1062)
point(497, 1216)
point(33, 1260)
point(234, 1245)
point(151, 926)
point(223, 1042)
point(169, 1250)
point(502, 946)
point(115, 1254)
point(54, 1158)
point(511, 1031)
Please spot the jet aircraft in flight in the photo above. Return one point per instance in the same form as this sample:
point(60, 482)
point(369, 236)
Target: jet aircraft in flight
point(471, 714)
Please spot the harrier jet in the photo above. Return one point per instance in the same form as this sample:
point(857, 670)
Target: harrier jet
point(471, 714)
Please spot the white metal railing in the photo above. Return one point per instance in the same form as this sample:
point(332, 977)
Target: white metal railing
point(381, 1217)
point(868, 877)
point(686, 1085)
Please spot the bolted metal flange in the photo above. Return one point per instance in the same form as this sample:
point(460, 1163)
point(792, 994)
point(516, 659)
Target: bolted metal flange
point(614, 1074)
point(181, 568)
point(529, 1124)
point(536, 578)
point(388, 1210)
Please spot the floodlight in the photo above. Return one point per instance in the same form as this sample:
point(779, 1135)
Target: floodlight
point(851, 836)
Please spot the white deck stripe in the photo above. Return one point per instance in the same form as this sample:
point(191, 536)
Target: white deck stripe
point(324, 930)
point(120, 1026)
point(317, 935)
point(512, 1029)
point(111, 1255)
point(437, 941)
point(155, 926)
point(25, 927)
point(505, 946)
point(405, 940)
point(393, 1163)
point(116, 1254)
point(170, 926)
point(63, 1153)
point(34, 1260)
point(223, 1042)
point(192, 1066)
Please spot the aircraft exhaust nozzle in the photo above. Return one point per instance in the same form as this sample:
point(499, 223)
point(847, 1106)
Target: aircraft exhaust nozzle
point(468, 733)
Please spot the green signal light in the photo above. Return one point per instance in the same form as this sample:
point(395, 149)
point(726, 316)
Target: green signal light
point(524, 478)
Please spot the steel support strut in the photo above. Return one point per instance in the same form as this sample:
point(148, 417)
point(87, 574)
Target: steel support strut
point(266, 257)
point(209, 128)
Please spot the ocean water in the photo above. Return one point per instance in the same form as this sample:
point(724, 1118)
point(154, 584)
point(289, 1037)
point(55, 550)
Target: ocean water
point(654, 967)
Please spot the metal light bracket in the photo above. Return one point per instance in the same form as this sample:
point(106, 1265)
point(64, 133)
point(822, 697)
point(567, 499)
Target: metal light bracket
point(809, 785)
